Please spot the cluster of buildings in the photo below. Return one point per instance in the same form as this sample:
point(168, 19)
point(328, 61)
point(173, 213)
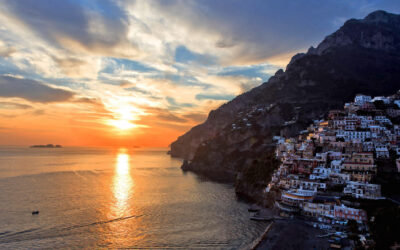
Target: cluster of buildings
point(335, 160)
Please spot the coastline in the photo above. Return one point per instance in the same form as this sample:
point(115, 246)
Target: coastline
point(291, 234)
point(262, 237)
point(288, 233)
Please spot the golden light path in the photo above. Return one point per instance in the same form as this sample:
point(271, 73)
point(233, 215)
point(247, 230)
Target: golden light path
point(122, 184)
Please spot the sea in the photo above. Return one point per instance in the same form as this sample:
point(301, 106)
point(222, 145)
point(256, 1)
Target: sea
point(101, 198)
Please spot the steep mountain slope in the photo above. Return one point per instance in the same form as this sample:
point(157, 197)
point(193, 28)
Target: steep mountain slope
point(363, 56)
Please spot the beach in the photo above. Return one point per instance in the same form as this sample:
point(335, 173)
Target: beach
point(293, 234)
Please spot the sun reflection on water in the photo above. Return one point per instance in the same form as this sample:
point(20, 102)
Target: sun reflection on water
point(122, 184)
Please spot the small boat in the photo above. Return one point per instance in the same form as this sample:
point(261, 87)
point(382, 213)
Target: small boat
point(35, 212)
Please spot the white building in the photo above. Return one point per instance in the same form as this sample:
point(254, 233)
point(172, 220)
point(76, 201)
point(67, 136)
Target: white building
point(336, 166)
point(339, 178)
point(363, 190)
point(354, 135)
point(382, 152)
point(381, 98)
point(362, 99)
point(368, 146)
point(382, 119)
point(304, 184)
point(375, 128)
point(397, 102)
point(334, 155)
point(318, 209)
point(366, 121)
point(347, 213)
point(320, 173)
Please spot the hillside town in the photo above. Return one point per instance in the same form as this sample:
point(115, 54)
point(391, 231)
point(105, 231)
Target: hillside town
point(329, 171)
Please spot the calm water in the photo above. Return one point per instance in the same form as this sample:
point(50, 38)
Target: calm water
point(114, 198)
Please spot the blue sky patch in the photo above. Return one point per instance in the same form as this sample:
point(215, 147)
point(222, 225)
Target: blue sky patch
point(184, 55)
point(130, 65)
point(249, 71)
point(139, 90)
point(217, 97)
point(173, 104)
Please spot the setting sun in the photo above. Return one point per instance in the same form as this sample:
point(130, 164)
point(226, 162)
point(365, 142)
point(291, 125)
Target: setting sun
point(124, 116)
point(121, 124)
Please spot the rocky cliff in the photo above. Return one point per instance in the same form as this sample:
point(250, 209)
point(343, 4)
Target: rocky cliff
point(234, 143)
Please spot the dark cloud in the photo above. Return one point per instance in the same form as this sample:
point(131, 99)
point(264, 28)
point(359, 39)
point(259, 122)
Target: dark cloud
point(165, 115)
point(57, 20)
point(223, 44)
point(71, 66)
point(260, 29)
point(32, 90)
point(125, 84)
point(14, 105)
point(89, 100)
point(38, 112)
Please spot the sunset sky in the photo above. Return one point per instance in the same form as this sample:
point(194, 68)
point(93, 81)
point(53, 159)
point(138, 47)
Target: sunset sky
point(141, 73)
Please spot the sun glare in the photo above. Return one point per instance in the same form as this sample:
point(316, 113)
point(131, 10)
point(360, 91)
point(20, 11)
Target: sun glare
point(122, 124)
point(124, 117)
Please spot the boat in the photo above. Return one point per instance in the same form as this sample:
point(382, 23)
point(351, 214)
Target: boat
point(35, 212)
point(46, 146)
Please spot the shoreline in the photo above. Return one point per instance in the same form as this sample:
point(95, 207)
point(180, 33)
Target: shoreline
point(288, 233)
point(291, 234)
point(256, 243)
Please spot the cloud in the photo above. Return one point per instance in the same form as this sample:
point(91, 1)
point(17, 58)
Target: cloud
point(239, 32)
point(75, 67)
point(74, 26)
point(166, 116)
point(88, 100)
point(14, 105)
point(6, 51)
point(38, 112)
point(115, 65)
point(32, 90)
point(173, 104)
point(196, 117)
point(218, 97)
point(139, 90)
point(163, 115)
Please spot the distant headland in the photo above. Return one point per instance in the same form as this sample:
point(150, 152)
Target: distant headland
point(46, 146)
